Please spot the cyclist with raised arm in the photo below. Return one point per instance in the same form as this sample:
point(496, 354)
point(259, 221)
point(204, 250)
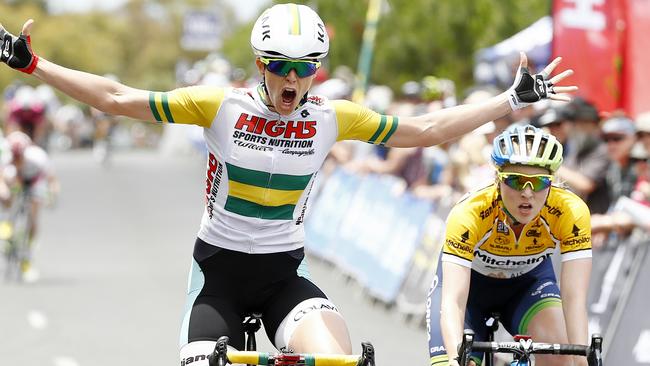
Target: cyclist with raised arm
point(265, 147)
point(497, 254)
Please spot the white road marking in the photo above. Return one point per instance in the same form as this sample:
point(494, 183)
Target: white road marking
point(642, 347)
point(37, 319)
point(65, 361)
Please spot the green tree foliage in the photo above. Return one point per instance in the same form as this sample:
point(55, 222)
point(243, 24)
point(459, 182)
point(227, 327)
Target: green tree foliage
point(138, 43)
point(416, 37)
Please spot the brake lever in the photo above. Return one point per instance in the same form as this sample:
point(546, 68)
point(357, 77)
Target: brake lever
point(465, 347)
point(367, 355)
point(219, 357)
point(595, 351)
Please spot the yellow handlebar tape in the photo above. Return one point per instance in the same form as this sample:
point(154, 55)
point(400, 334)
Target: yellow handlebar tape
point(262, 358)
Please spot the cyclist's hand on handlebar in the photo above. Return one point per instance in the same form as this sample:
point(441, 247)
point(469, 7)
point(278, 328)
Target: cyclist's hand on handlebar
point(528, 88)
point(17, 51)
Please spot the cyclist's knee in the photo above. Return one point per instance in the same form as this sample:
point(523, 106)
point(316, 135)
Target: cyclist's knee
point(314, 326)
point(548, 325)
point(553, 360)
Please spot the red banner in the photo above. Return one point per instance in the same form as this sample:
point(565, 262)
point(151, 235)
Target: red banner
point(589, 35)
point(636, 73)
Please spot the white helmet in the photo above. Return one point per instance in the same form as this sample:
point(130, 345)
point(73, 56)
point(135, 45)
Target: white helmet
point(527, 145)
point(290, 31)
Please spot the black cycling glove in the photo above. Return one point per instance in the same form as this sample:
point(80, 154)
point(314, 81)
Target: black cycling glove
point(528, 88)
point(17, 52)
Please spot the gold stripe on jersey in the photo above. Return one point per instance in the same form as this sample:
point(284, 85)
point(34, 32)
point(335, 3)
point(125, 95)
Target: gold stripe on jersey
point(356, 122)
point(255, 193)
point(263, 196)
point(196, 105)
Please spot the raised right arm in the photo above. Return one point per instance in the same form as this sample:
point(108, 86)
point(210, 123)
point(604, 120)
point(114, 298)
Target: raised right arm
point(102, 93)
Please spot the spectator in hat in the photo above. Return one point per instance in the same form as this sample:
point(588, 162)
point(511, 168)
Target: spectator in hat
point(585, 155)
point(643, 129)
point(627, 213)
point(619, 133)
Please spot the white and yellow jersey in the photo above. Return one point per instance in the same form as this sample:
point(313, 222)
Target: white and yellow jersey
point(261, 165)
point(479, 237)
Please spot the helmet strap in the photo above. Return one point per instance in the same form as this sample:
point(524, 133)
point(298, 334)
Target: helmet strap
point(304, 99)
point(264, 93)
point(505, 210)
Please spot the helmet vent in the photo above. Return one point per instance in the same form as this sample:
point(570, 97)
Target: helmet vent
point(553, 152)
point(542, 147)
point(502, 146)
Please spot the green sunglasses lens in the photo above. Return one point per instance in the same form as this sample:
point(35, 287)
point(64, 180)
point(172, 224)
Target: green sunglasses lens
point(284, 67)
point(519, 182)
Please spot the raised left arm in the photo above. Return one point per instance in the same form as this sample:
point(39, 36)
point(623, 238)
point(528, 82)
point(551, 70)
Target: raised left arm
point(442, 125)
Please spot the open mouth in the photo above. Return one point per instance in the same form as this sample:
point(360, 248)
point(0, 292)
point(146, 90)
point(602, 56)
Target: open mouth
point(525, 207)
point(288, 95)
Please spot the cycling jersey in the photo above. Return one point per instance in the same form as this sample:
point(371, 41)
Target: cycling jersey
point(35, 166)
point(479, 237)
point(261, 165)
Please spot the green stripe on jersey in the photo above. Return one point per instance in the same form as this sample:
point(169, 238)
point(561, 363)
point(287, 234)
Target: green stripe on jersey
point(380, 129)
point(284, 182)
point(152, 105)
point(391, 131)
point(251, 209)
point(165, 105)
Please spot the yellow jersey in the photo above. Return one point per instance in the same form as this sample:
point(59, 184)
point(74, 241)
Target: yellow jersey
point(478, 235)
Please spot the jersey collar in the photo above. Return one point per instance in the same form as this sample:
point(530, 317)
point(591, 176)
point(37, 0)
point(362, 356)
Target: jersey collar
point(261, 96)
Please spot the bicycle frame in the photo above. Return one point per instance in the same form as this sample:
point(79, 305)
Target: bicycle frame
point(20, 218)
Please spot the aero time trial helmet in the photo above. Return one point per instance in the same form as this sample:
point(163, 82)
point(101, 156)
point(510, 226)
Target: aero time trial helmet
point(290, 31)
point(527, 145)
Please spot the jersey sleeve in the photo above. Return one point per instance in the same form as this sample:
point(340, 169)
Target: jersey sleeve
point(196, 105)
point(575, 230)
point(460, 236)
point(356, 122)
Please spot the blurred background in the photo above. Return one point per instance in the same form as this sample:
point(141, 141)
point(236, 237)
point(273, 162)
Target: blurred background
point(122, 200)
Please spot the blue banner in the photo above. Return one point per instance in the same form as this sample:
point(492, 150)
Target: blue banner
point(369, 228)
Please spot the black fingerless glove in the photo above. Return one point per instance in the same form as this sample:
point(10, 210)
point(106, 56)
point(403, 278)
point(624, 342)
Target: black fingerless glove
point(17, 52)
point(528, 89)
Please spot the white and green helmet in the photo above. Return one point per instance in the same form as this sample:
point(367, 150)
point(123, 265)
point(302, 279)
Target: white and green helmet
point(290, 31)
point(527, 145)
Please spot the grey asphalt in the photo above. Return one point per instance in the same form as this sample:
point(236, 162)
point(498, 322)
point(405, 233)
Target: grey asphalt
point(113, 257)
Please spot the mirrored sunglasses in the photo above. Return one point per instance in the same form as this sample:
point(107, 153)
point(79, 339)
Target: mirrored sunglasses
point(282, 67)
point(518, 181)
